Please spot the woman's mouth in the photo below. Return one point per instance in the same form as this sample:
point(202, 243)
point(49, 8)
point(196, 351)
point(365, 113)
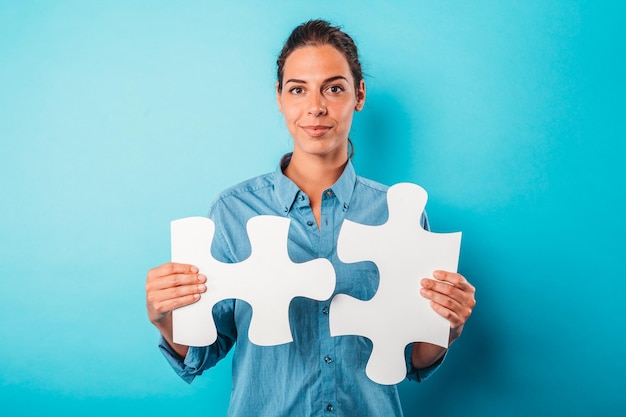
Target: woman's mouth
point(315, 131)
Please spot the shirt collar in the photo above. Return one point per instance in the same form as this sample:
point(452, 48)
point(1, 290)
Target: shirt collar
point(287, 191)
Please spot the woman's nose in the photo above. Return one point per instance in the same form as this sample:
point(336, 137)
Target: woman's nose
point(317, 106)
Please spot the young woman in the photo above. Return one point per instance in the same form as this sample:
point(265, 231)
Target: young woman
point(319, 88)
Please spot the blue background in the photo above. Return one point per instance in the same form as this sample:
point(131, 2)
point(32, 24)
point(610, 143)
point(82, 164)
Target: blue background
point(116, 118)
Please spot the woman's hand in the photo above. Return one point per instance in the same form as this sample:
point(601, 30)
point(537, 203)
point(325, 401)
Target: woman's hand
point(168, 287)
point(171, 286)
point(452, 297)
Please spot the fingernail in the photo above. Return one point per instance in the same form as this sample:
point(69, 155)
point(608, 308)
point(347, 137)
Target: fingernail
point(201, 278)
point(194, 270)
point(202, 288)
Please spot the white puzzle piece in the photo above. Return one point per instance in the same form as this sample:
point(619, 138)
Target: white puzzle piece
point(397, 314)
point(268, 280)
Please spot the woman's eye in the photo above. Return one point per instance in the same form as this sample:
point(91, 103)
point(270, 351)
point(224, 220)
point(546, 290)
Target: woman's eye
point(297, 90)
point(335, 89)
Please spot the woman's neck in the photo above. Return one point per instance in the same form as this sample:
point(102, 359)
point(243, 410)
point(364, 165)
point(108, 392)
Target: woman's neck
point(314, 174)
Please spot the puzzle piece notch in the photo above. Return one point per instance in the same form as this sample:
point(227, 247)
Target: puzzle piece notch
point(268, 280)
point(397, 314)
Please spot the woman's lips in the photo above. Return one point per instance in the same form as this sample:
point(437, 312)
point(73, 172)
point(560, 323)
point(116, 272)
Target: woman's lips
point(315, 131)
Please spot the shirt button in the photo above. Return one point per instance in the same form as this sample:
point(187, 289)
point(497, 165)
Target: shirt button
point(309, 223)
point(325, 310)
point(328, 359)
point(301, 198)
point(330, 407)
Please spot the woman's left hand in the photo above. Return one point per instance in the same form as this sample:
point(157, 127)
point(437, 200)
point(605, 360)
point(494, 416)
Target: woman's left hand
point(452, 297)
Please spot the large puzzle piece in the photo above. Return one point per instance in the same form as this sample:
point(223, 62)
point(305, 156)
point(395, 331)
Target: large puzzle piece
point(268, 280)
point(397, 314)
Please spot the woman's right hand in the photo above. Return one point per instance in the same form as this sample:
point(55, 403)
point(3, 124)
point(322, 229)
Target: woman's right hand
point(168, 287)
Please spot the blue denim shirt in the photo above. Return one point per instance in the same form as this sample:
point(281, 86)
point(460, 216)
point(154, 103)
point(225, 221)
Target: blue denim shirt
point(316, 374)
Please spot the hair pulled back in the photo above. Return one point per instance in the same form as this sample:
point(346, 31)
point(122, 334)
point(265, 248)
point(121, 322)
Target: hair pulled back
point(319, 33)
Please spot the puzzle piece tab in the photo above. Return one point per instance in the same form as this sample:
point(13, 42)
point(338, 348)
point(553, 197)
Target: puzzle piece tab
point(397, 314)
point(268, 280)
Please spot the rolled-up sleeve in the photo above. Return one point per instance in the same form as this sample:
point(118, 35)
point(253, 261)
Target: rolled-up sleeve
point(419, 375)
point(199, 359)
point(188, 367)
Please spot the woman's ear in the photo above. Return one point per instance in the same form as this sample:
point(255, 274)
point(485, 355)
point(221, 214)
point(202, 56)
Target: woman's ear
point(360, 96)
point(278, 98)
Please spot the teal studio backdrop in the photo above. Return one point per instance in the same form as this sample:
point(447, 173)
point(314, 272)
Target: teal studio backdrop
point(117, 117)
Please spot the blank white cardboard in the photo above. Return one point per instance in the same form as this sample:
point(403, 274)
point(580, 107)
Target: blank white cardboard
point(397, 314)
point(268, 280)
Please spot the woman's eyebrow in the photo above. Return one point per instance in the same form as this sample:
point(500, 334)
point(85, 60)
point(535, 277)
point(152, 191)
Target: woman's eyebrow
point(327, 80)
point(335, 78)
point(295, 80)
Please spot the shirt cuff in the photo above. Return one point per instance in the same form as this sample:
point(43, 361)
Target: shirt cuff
point(188, 367)
point(419, 375)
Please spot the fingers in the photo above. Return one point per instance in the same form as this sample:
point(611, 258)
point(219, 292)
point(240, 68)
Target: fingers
point(451, 296)
point(170, 286)
point(171, 275)
point(165, 306)
point(453, 278)
point(171, 268)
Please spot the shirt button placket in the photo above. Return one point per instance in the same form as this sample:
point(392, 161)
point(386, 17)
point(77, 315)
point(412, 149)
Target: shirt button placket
point(329, 361)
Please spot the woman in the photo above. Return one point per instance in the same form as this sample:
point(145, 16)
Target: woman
point(319, 88)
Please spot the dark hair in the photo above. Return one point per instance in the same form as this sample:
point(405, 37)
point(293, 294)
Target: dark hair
point(318, 33)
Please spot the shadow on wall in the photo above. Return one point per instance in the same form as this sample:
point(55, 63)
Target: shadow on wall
point(386, 138)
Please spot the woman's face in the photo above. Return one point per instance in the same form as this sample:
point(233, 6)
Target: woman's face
point(318, 100)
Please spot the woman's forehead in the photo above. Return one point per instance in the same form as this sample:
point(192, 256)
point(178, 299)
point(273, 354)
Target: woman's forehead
point(316, 62)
